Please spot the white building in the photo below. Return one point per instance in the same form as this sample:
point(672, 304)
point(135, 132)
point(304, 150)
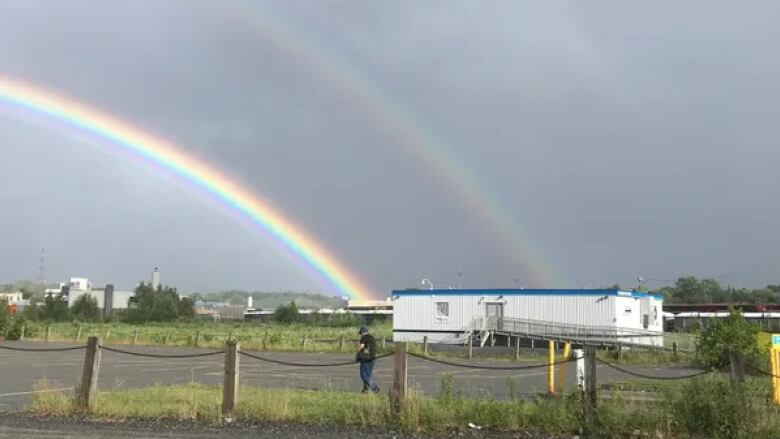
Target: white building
point(448, 316)
point(12, 296)
point(78, 286)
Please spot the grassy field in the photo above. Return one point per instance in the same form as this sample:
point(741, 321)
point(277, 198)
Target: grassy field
point(288, 338)
point(699, 408)
point(253, 336)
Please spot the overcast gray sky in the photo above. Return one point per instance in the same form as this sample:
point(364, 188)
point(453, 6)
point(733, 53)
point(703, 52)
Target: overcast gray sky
point(622, 138)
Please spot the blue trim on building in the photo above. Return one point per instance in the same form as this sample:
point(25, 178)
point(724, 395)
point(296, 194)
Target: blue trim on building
point(526, 292)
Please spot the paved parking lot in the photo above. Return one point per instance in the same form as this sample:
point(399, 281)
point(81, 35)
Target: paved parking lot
point(24, 372)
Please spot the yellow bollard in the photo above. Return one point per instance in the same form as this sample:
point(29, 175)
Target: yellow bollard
point(551, 371)
point(775, 357)
point(774, 353)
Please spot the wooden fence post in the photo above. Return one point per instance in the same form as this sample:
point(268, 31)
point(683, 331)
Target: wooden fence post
point(589, 402)
point(165, 338)
point(78, 334)
point(398, 395)
point(89, 377)
point(341, 343)
point(21, 335)
point(135, 336)
point(471, 348)
point(108, 333)
point(197, 338)
point(517, 349)
point(265, 341)
point(305, 339)
point(737, 362)
point(425, 344)
point(674, 350)
point(230, 388)
point(48, 332)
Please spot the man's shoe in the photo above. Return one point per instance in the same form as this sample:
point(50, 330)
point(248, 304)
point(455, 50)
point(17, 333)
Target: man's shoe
point(376, 389)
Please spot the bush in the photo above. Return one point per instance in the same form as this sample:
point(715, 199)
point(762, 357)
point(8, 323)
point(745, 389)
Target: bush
point(722, 336)
point(286, 313)
point(15, 331)
point(161, 305)
point(715, 408)
point(85, 309)
point(54, 308)
point(5, 318)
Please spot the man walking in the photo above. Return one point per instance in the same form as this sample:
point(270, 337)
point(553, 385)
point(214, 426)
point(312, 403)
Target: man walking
point(366, 356)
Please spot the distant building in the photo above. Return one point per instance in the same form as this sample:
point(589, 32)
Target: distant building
point(77, 287)
point(155, 279)
point(12, 296)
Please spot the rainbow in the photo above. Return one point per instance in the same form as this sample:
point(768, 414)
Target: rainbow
point(173, 158)
point(454, 178)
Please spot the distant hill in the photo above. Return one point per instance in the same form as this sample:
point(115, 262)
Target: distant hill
point(271, 300)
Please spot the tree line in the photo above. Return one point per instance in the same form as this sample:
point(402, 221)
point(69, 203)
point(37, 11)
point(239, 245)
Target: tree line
point(163, 304)
point(689, 289)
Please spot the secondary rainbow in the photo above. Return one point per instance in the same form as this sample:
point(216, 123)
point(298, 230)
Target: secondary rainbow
point(455, 178)
point(173, 158)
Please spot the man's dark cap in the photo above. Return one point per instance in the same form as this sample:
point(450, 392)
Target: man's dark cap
point(363, 330)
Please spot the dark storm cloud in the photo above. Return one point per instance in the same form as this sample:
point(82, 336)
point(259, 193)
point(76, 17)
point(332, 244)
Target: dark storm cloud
point(624, 139)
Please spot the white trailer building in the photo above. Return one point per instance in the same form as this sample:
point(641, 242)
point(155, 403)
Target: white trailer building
point(450, 316)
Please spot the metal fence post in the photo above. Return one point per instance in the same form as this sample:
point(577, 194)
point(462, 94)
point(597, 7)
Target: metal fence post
point(425, 344)
point(398, 395)
point(305, 339)
point(108, 332)
point(78, 334)
point(384, 342)
point(135, 336)
point(471, 347)
point(89, 377)
point(230, 388)
point(21, 334)
point(341, 343)
point(517, 348)
point(48, 332)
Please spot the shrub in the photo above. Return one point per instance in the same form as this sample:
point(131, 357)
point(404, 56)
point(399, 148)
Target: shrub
point(286, 313)
point(732, 334)
point(5, 319)
point(85, 309)
point(714, 407)
point(15, 331)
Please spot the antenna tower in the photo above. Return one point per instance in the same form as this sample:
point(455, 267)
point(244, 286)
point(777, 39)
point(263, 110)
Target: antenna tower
point(42, 268)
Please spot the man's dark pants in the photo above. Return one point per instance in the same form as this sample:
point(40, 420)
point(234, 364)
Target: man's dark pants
point(366, 370)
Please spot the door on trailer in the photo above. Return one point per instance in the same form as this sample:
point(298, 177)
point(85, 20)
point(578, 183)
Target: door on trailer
point(494, 312)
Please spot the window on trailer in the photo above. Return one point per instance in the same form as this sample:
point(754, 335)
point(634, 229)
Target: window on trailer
point(442, 310)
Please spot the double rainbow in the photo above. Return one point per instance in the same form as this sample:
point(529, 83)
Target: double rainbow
point(173, 158)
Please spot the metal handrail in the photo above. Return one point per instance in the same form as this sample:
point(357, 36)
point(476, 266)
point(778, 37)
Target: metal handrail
point(567, 331)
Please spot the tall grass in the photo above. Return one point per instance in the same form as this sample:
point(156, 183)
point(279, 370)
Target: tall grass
point(703, 407)
point(252, 336)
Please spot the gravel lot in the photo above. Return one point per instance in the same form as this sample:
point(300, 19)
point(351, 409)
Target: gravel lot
point(26, 426)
